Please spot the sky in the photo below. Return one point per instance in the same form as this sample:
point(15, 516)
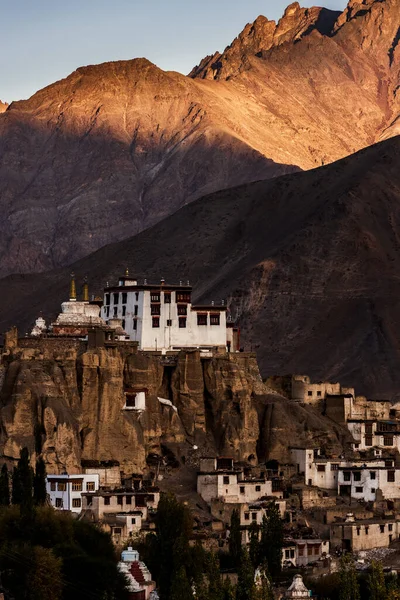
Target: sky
point(45, 40)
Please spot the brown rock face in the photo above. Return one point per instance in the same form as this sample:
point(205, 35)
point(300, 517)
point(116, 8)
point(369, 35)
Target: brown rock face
point(115, 148)
point(68, 402)
point(3, 106)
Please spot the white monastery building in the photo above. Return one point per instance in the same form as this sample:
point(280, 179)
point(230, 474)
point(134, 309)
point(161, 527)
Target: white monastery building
point(162, 317)
point(65, 491)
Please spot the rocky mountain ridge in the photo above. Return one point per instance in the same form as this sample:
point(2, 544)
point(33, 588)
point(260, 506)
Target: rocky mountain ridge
point(115, 148)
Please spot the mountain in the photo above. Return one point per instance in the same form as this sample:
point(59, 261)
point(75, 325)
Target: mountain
point(3, 106)
point(115, 148)
point(308, 262)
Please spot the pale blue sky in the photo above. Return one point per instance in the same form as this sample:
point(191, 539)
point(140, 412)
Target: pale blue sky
point(45, 40)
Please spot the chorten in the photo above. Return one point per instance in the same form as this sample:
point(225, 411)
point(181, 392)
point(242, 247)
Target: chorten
point(297, 589)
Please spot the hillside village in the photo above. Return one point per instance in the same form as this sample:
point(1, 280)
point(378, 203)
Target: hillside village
point(331, 503)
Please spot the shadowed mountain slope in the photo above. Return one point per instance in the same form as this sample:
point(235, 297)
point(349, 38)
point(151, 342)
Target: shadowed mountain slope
point(115, 148)
point(309, 262)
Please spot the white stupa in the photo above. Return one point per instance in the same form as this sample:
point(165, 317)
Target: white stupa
point(297, 589)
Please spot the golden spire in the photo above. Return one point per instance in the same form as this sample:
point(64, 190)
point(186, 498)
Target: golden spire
point(72, 289)
point(85, 290)
point(126, 272)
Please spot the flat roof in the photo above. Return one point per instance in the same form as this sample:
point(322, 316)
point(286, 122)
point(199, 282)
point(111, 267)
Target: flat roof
point(170, 287)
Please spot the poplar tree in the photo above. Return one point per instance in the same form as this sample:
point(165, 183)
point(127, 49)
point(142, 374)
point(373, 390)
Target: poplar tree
point(272, 539)
point(4, 486)
point(376, 582)
point(16, 492)
point(349, 587)
point(235, 538)
point(254, 545)
point(246, 589)
point(39, 483)
point(180, 586)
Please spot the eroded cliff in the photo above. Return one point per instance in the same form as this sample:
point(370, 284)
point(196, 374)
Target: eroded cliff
point(67, 401)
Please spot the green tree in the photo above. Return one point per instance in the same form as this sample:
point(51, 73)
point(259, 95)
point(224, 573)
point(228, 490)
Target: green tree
point(39, 483)
point(25, 472)
point(180, 586)
point(254, 545)
point(376, 582)
point(264, 586)
point(45, 579)
point(349, 586)
point(4, 486)
point(272, 539)
point(246, 589)
point(228, 590)
point(235, 538)
point(16, 493)
point(215, 586)
point(393, 592)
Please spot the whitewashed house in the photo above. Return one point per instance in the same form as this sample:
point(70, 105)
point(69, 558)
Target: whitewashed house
point(363, 481)
point(65, 491)
point(162, 317)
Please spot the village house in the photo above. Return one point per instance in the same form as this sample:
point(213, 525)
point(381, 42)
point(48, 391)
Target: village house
point(361, 481)
point(317, 470)
point(303, 552)
point(162, 317)
point(65, 491)
point(103, 502)
point(353, 535)
point(369, 434)
point(302, 390)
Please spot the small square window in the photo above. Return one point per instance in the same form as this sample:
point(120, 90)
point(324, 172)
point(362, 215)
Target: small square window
point(214, 319)
point(155, 309)
point(357, 476)
point(319, 393)
point(167, 298)
point(76, 502)
point(373, 474)
point(242, 491)
point(247, 516)
point(53, 486)
point(156, 321)
point(258, 488)
point(133, 521)
point(254, 516)
point(226, 479)
point(201, 319)
point(359, 489)
point(321, 468)
point(77, 486)
point(309, 393)
point(59, 502)
point(107, 501)
point(346, 476)
point(62, 487)
point(182, 309)
point(391, 476)
point(128, 500)
point(169, 322)
point(373, 490)
point(182, 322)
point(90, 486)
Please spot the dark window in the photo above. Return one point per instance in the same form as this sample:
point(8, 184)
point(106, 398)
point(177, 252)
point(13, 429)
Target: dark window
point(368, 428)
point(156, 321)
point(319, 393)
point(242, 489)
point(254, 516)
point(368, 440)
point(124, 297)
point(182, 309)
point(346, 476)
point(356, 475)
point(136, 310)
point(120, 500)
point(321, 468)
point(366, 530)
point(137, 296)
point(309, 393)
point(133, 521)
point(53, 486)
point(115, 311)
point(169, 322)
point(258, 488)
point(134, 324)
point(373, 490)
point(358, 530)
point(154, 297)
point(155, 309)
point(182, 322)
point(334, 467)
point(382, 528)
point(123, 323)
point(390, 476)
point(76, 502)
point(123, 311)
point(388, 440)
point(116, 298)
point(214, 319)
point(201, 319)
point(130, 400)
point(129, 499)
point(388, 463)
point(108, 311)
point(107, 299)
point(359, 490)
point(390, 526)
point(107, 501)
point(373, 474)
point(226, 479)
point(59, 502)
point(167, 298)
point(247, 516)
point(183, 296)
point(117, 530)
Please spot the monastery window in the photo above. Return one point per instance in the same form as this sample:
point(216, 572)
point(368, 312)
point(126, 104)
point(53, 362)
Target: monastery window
point(346, 476)
point(287, 553)
point(116, 298)
point(214, 319)
point(134, 325)
point(156, 321)
point(356, 475)
point(107, 299)
point(359, 489)
point(382, 528)
point(309, 550)
point(182, 322)
point(373, 490)
point(334, 467)
point(301, 550)
point(242, 490)
point(309, 393)
point(183, 297)
point(258, 488)
point(388, 440)
point(390, 527)
point(135, 310)
point(133, 521)
point(388, 463)
point(321, 468)
point(123, 324)
point(317, 549)
point(182, 309)
point(368, 440)
point(155, 297)
point(169, 322)
point(373, 474)
point(124, 297)
point(117, 530)
point(254, 516)
point(53, 486)
point(107, 311)
point(247, 516)
point(123, 311)
point(356, 446)
point(358, 530)
point(319, 393)
point(62, 486)
point(128, 499)
point(120, 500)
point(136, 296)
point(226, 479)
point(115, 311)
point(59, 502)
point(201, 319)
point(77, 486)
point(368, 428)
point(391, 476)
point(155, 309)
point(107, 501)
point(76, 502)
point(291, 553)
point(167, 298)
point(90, 486)
point(366, 530)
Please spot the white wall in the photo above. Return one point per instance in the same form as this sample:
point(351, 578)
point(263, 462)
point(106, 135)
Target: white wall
point(69, 495)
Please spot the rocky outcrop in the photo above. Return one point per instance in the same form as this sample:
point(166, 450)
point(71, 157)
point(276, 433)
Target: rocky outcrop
point(115, 148)
point(68, 402)
point(3, 106)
